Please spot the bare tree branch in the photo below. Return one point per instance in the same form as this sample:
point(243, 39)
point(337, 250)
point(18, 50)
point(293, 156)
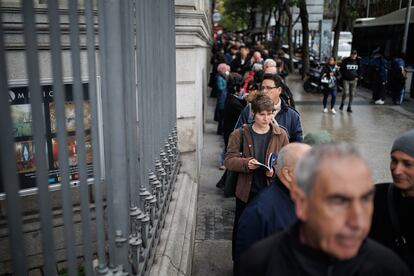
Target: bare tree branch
point(296, 21)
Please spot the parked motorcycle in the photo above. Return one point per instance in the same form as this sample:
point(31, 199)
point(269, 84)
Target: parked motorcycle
point(312, 83)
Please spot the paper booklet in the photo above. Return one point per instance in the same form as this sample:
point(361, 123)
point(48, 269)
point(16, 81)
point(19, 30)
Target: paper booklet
point(271, 160)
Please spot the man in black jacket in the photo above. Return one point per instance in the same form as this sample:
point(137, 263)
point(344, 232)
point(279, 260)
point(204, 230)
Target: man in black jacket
point(334, 208)
point(350, 71)
point(393, 220)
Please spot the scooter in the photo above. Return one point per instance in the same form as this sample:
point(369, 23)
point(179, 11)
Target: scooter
point(312, 83)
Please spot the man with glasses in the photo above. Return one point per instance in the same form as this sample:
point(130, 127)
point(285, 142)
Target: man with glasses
point(285, 116)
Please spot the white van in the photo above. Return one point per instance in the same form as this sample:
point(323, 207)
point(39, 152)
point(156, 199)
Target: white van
point(344, 50)
point(344, 44)
point(344, 37)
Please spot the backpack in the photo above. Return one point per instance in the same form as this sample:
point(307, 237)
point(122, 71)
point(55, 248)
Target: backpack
point(398, 74)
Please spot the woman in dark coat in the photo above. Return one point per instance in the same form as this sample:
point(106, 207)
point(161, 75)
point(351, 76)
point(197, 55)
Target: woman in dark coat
point(233, 106)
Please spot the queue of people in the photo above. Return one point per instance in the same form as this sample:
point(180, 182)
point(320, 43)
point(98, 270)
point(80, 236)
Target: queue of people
point(304, 213)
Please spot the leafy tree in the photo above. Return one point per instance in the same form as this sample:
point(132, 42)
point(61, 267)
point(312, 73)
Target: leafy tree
point(234, 19)
point(240, 13)
point(245, 11)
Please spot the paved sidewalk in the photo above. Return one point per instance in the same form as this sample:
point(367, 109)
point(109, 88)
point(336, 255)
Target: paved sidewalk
point(370, 127)
point(212, 249)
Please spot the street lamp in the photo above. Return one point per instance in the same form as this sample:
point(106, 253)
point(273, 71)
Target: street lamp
point(407, 25)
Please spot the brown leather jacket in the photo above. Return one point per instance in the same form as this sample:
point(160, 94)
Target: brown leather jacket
point(237, 163)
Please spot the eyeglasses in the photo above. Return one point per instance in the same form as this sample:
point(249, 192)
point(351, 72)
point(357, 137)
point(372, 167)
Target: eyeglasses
point(267, 88)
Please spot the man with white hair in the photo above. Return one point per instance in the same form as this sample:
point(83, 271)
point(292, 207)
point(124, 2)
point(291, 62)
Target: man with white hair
point(269, 63)
point(286, 93)
point(334, 204)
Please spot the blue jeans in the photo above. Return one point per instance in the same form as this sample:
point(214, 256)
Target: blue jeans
point(326, 93)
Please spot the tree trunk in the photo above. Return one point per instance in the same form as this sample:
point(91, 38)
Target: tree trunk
point(289, 33)
point(277, 13)
point(338, 26)
point(304, 18)
point(262, 18)
point(268, 22)
point(252, 15)
point(252, 19)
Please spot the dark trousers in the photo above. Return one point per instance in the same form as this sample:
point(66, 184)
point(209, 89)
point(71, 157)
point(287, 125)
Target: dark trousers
point(220, 121)
point(397, 93)
point(379, 91)
point(240, 206)
point(326, 93)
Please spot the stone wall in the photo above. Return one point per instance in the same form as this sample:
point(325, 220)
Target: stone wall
point(193, 41)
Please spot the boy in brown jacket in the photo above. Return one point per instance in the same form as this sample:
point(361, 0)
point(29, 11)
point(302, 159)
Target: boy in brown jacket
point(260, 139)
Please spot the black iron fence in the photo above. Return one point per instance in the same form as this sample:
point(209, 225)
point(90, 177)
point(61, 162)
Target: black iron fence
point(115, 113)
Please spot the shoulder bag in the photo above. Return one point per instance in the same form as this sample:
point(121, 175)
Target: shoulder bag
point(231, 176)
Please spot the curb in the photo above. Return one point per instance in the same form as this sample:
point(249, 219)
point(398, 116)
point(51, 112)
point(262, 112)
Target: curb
point(175, 250)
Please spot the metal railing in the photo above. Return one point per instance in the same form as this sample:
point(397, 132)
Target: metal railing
point(122, 128)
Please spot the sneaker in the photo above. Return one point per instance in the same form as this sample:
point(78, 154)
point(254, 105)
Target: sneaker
point(333, 111)
point(379, 101)
point(222, 168)
point(325, 110)
point(341, 107)
point(349, 109)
